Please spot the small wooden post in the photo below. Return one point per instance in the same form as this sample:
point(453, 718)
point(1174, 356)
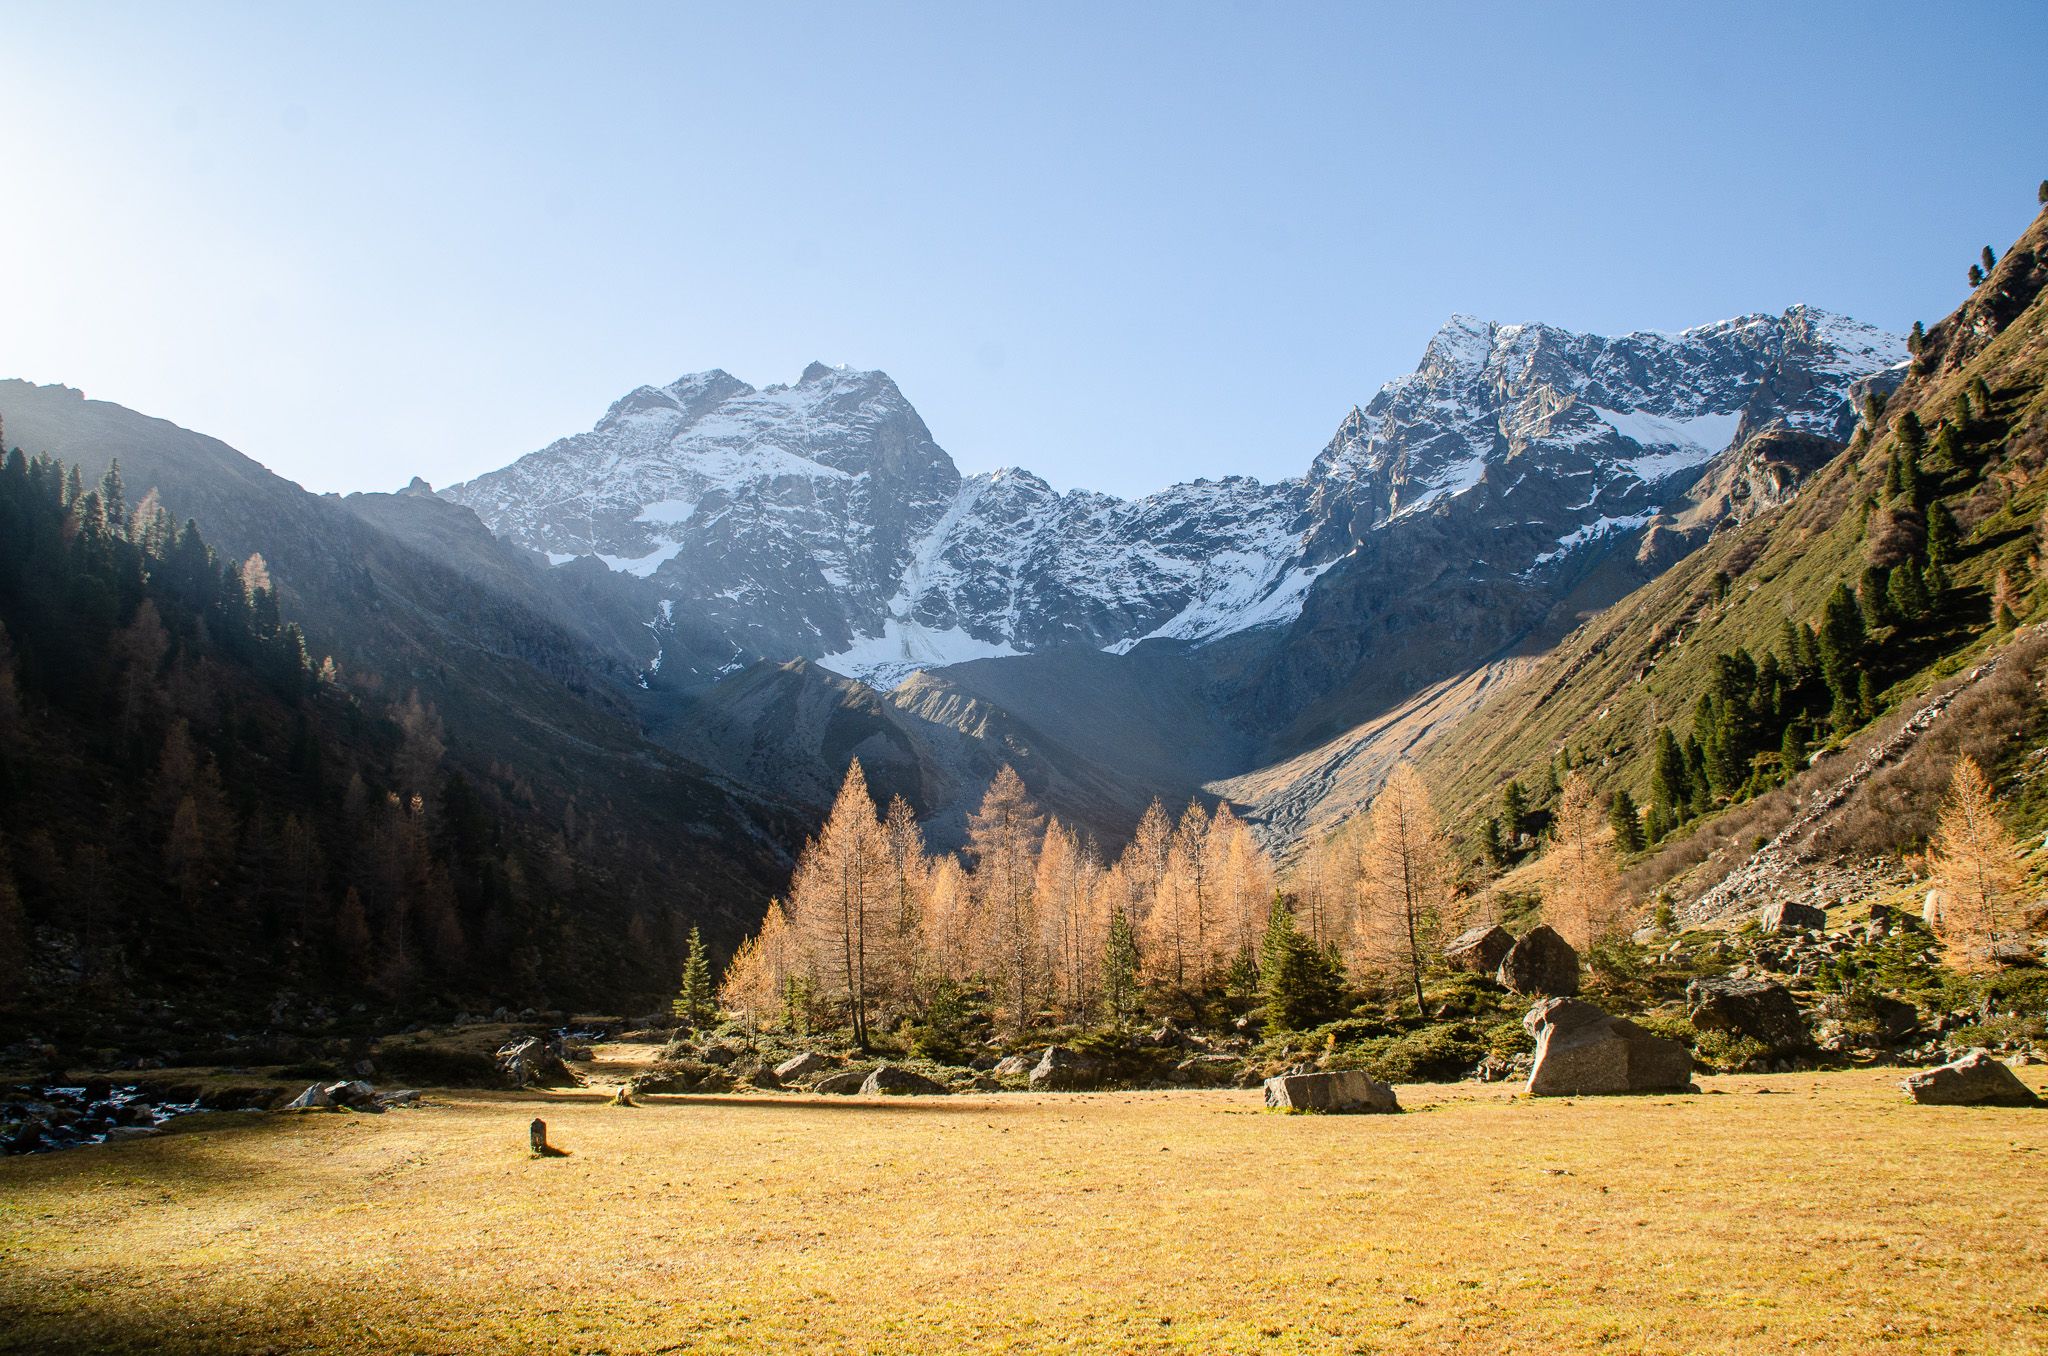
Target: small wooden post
point(539, 1133)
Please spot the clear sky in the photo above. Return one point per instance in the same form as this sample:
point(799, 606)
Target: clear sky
point(1119, 244)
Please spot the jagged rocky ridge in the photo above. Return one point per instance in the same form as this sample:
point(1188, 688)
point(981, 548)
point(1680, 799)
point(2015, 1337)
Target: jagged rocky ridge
point(820, 520)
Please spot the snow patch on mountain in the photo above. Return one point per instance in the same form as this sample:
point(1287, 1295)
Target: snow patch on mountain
point(1678, 444)
point(904, 647)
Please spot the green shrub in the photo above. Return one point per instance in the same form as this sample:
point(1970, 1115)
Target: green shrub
point(1431, 1054)
point(1725, 1052)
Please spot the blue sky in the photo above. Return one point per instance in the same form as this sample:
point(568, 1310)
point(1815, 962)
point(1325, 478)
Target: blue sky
point(1121, 245)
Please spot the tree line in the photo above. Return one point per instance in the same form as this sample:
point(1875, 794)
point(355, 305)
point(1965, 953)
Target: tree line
point(1032, 915)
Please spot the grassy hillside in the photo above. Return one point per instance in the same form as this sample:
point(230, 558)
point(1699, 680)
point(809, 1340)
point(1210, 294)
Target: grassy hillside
point(1604, 691)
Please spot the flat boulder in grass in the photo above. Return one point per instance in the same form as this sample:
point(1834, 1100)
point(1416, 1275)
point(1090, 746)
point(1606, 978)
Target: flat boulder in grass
point(1785, 915)
point(890, 1081)
point(843, 1084)
point(1977, 1079)
point(1342, 1092)
point(1480, 950)
point(1540, 964)
point(1013, 1066)
point(802, 1066)
point(1755, 1008)
point(1583, 1051)
point(1062, 1070)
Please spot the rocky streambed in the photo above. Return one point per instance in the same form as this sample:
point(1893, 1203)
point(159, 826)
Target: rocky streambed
point(37, 1117)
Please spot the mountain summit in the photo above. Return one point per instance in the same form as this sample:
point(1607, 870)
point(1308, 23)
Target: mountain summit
point(822, 521)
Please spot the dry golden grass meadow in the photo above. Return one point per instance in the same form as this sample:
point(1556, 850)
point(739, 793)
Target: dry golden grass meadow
point(1796, 1213)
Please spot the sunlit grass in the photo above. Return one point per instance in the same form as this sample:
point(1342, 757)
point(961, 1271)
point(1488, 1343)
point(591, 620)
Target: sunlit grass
point(1828, 1215)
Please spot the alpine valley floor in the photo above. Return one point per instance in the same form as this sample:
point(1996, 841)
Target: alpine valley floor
point(1803, 1212)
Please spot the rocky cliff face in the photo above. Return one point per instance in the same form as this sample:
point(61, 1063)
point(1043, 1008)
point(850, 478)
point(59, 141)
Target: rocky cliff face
point(821, 520)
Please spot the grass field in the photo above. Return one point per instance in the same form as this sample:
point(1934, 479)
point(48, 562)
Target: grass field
point(1791, 1213)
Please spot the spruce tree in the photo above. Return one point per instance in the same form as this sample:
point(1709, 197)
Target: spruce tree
point(694, 1003)
point(1792, 749)
point(1990, 259)
point(1300, 984)
point(1120, 970)
point(1628, 827)
point(1912, 433)
point(1490, 844)
point(1871, 601)
point(1841, 651)
point(1670, 786)
point(2042, 196)
point(1976, 276)
point(1916, 340)
point(1514, 811)
point(1941, 535)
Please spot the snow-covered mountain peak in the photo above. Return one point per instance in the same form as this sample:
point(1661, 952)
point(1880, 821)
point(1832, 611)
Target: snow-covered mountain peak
point(820, 519)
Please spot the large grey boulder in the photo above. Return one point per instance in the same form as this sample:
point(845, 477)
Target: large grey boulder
point(314, 1098)
point(843, 1084)
point(1013, 1066)
point(1540, 964)
point(1480, 950)
point(1062, 1070)
point(1581, 1050)
point(1785, 915)
point(1348, 1091)
point(1756, 1008)
point(802, 1066)
point(530, 1060)
point(890, 1081)
point(1977, 1079)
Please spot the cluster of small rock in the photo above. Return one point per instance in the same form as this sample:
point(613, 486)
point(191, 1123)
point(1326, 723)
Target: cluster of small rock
point(351, 1095)
point(38, 1118)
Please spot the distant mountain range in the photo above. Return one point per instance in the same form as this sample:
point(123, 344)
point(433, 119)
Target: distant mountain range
point(1519, 478)
point(764, 583)
point(820, 520)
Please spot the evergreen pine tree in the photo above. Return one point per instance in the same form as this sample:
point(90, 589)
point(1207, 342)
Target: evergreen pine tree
point(1628, 826)
point(1120, 970)
point(1656, 824)
point(1792, 749)
point(1841, 651)
point(1941, 535)
point(1990, 260)
point(2042, 196)
point(1871, 600)
point(694, 1002)
point(1490, 844)
point(1916, 340)
point(1670, 786)
point(1514, 811)
point(1912, 434)
point(1976, 276)
point(1898, 592)
point(1866, 695)
point(1299, 983)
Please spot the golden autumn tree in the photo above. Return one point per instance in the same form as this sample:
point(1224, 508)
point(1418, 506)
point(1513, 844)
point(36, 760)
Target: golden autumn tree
point(1582, 897)
point(1406, 876)
point(954, 941)
point(839, 899)
point(1976, 867)
point(1003, 840)
point(1142, 867)
point(906, 885)
point(1069, 905)
point(758, 979)
point(1241, 877)
point(1182, 926)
